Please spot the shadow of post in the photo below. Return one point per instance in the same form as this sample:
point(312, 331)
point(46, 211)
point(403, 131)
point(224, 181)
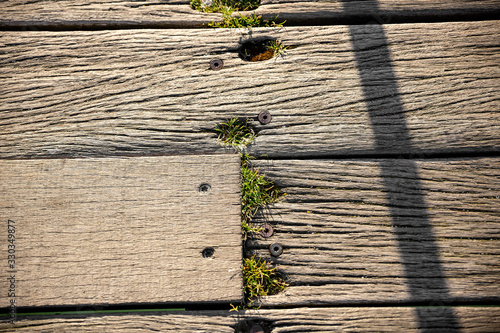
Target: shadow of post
point(416, 242)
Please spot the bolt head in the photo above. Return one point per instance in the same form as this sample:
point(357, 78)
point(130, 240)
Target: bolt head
point(216, 64)
point(276, 249)
point(267, 230)
point(265, 117)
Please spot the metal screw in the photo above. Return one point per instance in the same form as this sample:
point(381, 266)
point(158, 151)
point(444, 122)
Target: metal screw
point(265, 117)
point(276, 249)
point(208, 252)
point(216, 64)
point(204, 188)
point(267, 230)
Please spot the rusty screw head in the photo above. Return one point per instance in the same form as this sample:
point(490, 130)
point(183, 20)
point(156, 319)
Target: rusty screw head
point(216, 64)
point(265, 117)
point(208, 252)
point(276, 249)
point(267, 230)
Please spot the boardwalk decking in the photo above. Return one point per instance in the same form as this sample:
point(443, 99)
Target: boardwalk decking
point(122, 230)
point(385, 137)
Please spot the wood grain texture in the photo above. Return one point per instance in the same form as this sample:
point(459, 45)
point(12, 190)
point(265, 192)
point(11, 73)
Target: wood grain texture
point(370, 319)
point(151, 91)
point(341, 247)
point(32, 15)
point(122, 230)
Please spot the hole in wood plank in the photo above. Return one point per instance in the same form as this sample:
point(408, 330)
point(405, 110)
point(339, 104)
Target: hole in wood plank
point(261, 49)
point(208, 252)
point(204, 188)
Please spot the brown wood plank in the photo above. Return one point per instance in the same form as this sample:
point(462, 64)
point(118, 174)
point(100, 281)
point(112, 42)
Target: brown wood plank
point(121, 230)
point(369, 319)
point(151, 91)
point(23, 14)
point(341, 245)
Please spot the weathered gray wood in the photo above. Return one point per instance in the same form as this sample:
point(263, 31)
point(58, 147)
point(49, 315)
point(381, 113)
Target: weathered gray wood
point(23, 14)
point(121, 230)
point(370, 319)
point(340, 245)
point(151, 91)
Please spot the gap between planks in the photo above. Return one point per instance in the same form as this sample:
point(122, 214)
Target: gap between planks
point(62, 15)
point(371, 319)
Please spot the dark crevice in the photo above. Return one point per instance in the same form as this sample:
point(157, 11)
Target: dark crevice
point(350, 17)
point(457, 154)
point(83, 311)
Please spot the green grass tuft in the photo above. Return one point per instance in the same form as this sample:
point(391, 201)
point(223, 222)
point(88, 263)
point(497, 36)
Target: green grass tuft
point(242, 21)
point(213, 6)
point(277, 47)
point(235, 133)
point(228, 7)
point(260, 279)
point(256, 192)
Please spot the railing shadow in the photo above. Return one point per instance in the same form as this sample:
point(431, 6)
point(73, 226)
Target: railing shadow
point(416, 241)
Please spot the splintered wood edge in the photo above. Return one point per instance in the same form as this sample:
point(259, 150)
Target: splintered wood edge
point(146, 222)
point(81, 94)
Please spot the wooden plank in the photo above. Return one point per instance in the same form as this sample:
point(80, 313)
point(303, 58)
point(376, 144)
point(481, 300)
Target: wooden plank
point(31, 15)
point(121, 230)
point(342, 246)
point(369, 319)
point(85, 93)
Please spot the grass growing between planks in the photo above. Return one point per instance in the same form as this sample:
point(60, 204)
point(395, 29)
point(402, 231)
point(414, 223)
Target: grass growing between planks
point(228, 7)
point(256, 192)
point(212, 6)
point(260, 279)
point(242, 21)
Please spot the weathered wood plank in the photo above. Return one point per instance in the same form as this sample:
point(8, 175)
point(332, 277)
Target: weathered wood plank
point(23, 14)
point(151, 91)
point(341, 245)
point(121, 230)
point(369, 319)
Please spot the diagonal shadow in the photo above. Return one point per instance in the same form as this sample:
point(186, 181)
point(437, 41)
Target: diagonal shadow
point(416, 242)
